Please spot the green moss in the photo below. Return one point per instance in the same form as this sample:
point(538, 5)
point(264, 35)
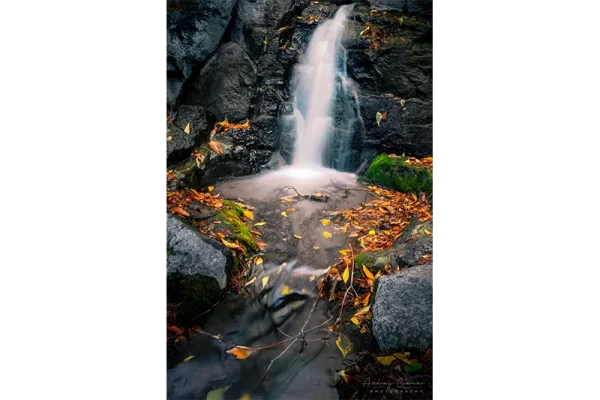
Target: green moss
point(364, 258)
point(232, 214)
point(393, 173)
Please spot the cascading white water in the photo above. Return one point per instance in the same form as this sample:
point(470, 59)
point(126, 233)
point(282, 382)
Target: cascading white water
point(316, 90)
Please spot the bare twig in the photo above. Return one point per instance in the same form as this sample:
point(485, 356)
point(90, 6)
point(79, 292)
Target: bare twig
point(349, 286)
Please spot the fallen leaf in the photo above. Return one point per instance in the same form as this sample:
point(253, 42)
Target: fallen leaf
point(364, 30)
point(240, 352)
point(229, 244)
point(378, 117)
point(210, 188)
point(368, 273)
point(403, 358)
point(344, 344)
point(188, 358)
point(316, 247)
point(415, 366)
point(372, 232)
point(325, 222)
point(180, 211)
point(387, 360)
point(250, 282)
point(363, 329)
point(285, 290)
point(343, 252)
point(169, 138)
point(298, 236)
point(245, 397)
point(260, 223)
point(355, 321)
point(284, 213)
point(346, 274)
point(426, 232)
point(312, 278)
point(248, 214)
point(187, 128)
point(217, 394)
point(283, 28)
point(216, 146)
point(326, 235)
point(264, 281)
point(258, 261)
point(362, 311)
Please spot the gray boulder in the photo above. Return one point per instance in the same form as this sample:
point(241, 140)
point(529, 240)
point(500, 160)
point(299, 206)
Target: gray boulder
point(403, 310)
point(197, 268)
point(194, 31)
point(224, 85)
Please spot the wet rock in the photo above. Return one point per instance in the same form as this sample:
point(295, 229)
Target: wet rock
point(181, 144)
point(402, 311)
point(197, 268)
point(423, 7)
point(411, 253)
point(194, 31)
point(223, 87)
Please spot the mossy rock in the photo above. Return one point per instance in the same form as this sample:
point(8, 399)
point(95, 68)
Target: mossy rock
point(232, 215)
point(196, 293)
point(395, 174)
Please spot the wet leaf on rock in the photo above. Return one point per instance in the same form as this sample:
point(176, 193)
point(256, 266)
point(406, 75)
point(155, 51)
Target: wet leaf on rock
point(264, 281)
point(248, 214)
point(240, 352)
point(344, 344)
point(187, 128)
point(260, 223)
point(326, 235)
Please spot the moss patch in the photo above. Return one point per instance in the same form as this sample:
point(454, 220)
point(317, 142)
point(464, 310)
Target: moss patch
point(393, 173)
point(364, 258)
point(232, 215)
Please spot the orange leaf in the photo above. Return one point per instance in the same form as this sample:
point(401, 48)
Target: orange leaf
point(180, 211)
point(174, 329)
point(240, 352)
point(216, 146)
point(368, 273)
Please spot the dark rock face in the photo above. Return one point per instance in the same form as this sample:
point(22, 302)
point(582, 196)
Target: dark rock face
point(412, 252)
point(223, 86)
point(181, 144)
point(403, 310)
point(194, 31)
point(197, 268)
point(424, 7)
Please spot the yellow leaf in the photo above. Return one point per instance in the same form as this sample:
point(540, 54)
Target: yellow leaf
point(368, 273)
point(355, 321)
point(260, 223)
point(427, 159)
point(217, 394)
point(298, 236)
point(378, 117)
point(188, 358)
point(426, 232)
point(326, 235)
point(346, 274)
point(264, 281)
point(364, 30)
point(387, 233)
point(283, 28)
point(210, 188)
point(248, 214)
point(229, 244)
point(240, 352)
point(250, 282)
point(403, 358)
point(344, 344)
point(325, 221)
point(169, 138)
point(372, 232)
point(284, 213)
point(285, 290)
point(343, 252)
point(187, 128)
point(245, 397)
point(363, 329)
point(316, 247)
point(312, 278)
point(363, 310)
point(258, 261)
point(387, 360)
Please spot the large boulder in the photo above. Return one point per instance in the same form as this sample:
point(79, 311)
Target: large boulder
point(194, 31)
point(224, 85)
point(403, 310)
point(197, 268)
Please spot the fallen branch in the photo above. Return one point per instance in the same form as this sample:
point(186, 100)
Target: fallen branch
point(323, 198)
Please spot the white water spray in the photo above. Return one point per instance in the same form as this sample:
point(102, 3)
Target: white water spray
point(316, 90)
